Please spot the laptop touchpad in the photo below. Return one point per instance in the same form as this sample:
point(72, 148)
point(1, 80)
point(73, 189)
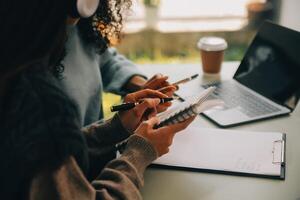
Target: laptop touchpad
point(227, 116)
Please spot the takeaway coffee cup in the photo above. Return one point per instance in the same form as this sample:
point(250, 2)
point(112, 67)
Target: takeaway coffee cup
point(212, 53)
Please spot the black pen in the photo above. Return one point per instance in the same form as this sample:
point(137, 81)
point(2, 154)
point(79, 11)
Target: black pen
point(186, 79)
point(130, 105)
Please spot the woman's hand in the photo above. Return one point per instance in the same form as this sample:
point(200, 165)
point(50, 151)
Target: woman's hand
point(161, 138)
point(159, 82)
point(156, 82)
point(147, 108)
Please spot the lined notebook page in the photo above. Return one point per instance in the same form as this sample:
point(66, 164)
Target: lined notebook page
point(226, 150)
point(191, 106)
point(177, 107)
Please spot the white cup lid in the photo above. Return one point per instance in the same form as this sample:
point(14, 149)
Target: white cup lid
point(212, 44)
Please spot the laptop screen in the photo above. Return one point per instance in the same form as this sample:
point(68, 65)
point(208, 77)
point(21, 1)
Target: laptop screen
point(271, 65)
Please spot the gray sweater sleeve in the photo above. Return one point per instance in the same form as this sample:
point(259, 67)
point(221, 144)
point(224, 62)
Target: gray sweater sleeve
point(116, 71)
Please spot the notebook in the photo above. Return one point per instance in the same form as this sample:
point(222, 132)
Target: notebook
point(192, 105)
point(244, 153)
point(181, 111)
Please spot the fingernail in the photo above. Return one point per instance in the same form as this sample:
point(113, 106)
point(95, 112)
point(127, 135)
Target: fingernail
point(157, 101)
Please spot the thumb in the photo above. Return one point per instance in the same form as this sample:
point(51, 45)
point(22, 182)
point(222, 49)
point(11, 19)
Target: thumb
point(146, 104)
point(153, 113)
point(152, 122)
point(181, 125)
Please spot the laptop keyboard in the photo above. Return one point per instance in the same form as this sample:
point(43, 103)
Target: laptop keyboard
point(234, 96)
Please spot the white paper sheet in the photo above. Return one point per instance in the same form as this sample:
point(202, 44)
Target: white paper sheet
point(226, 150)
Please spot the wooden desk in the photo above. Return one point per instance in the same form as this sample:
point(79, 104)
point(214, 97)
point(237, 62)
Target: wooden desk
point(161, 184)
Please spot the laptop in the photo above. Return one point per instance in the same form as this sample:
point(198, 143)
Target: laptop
point(267, 82)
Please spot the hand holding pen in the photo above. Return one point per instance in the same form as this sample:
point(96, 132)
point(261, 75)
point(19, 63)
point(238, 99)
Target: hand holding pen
point(145, 109)
point(185, 80)
point(149, 101)
point(159, 82)
point(130, 105)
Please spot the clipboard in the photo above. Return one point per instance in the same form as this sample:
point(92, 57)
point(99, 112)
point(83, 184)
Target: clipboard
point(242, 153)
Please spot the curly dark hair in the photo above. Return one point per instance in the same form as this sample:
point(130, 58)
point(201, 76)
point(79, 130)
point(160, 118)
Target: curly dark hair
point(104, 28)
point(41, 32)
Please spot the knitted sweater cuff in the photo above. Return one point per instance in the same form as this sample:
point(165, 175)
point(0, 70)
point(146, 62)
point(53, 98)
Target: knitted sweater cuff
point(111, 131)
point(140, 152)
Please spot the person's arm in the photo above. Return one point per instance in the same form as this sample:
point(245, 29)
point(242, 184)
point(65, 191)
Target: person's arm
point(121, 76)
point(122, 178)
point(100, 134)
point(101, 141)
point(102, 138)
point(135, 83)
point(124, 123)
point(117, 72)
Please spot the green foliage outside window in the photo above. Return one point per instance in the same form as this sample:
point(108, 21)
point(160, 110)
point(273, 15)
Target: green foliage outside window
point(153, 3)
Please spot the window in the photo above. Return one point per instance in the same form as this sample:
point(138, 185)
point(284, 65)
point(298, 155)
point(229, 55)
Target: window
point(191, 15)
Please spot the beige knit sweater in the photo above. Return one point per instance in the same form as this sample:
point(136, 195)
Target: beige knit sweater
point(122, 178)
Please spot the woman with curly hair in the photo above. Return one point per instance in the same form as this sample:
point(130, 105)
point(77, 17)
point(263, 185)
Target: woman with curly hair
point(92, 66)
point(45, 152)
point(101, 67)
